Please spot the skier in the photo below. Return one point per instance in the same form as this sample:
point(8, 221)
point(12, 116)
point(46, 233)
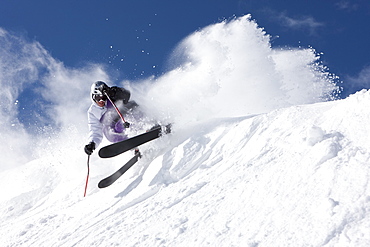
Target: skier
point(103, 118)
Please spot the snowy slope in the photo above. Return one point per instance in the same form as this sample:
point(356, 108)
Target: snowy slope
point(292, 177)
point(256, 157)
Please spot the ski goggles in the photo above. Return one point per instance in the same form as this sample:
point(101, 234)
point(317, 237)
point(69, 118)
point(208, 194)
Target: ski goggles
point(99, 97)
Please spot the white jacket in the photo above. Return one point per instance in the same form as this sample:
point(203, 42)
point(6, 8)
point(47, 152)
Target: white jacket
point(94, 115)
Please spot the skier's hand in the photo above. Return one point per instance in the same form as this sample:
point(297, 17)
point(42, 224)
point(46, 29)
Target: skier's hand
point(126, 125)
point(105, 89)
point(89, 148)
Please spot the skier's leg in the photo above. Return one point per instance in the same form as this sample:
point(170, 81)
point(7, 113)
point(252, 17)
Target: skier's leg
point(115, 132)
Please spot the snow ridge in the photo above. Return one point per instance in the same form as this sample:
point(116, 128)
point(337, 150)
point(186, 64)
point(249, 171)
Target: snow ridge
point(296, 176)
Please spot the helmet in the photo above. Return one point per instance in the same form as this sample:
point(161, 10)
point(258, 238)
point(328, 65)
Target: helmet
point(97, 91)
point(98, 88)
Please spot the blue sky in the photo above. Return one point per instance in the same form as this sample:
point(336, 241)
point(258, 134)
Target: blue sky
point(135, 38)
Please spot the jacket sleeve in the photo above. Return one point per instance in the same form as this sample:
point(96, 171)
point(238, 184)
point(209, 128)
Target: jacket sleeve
point(95, 128)
point(119, 93)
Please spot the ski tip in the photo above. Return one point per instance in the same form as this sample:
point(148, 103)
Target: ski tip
point(102, 154)
point(103, 184)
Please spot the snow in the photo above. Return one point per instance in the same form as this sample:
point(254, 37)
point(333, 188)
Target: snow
point(289, 169)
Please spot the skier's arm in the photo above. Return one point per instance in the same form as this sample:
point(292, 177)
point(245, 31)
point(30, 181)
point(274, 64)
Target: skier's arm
point(118, 93)
point(95, 129)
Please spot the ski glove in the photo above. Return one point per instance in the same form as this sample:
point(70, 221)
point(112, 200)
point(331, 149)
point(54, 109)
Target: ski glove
point(89, 148)
point(104, 88)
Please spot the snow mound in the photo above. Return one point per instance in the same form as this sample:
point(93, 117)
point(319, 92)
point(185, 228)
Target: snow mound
point(292, 177)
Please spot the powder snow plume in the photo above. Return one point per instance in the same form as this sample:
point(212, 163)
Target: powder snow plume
point(227, 69)
point(230, 69)
point(39, 100)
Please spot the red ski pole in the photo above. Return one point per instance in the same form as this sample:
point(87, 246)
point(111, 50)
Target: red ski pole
point(88, 173)
point(126, 124)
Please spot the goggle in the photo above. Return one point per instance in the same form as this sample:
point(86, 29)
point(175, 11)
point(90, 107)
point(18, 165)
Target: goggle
point(98, 97)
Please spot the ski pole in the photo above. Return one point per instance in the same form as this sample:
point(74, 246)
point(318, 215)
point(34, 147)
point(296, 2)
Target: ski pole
point(88, 173)
point(126, 124)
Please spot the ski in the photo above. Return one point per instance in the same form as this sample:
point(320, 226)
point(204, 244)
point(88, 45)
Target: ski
point(123, 146)
point(113, 178)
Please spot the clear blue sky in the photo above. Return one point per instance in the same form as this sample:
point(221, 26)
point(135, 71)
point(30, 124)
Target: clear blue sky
point(135, 37)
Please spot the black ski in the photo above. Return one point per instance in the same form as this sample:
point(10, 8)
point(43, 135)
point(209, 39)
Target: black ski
point(131, 143)
point(113, 178)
